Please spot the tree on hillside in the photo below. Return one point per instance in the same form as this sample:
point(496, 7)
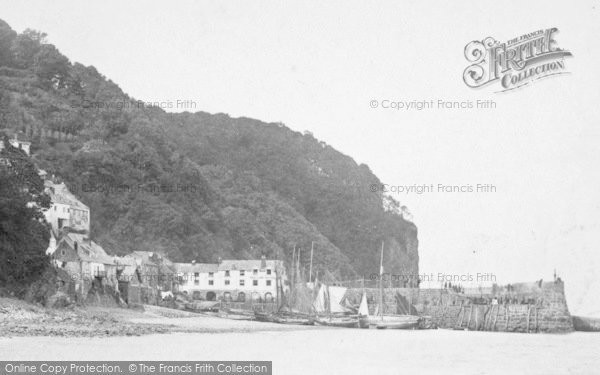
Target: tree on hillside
point(51, 67)
point(23, 233)
point(7, 36)
point(25, 46)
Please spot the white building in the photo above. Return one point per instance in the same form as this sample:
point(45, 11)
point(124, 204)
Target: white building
point(66, 210)
point(235, 280)
point(20, 144)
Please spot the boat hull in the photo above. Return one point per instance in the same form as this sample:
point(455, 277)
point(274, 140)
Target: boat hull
point(363, 322)
point(397, 325)
point(283, 318)
point(395, 321)
point(337, 322)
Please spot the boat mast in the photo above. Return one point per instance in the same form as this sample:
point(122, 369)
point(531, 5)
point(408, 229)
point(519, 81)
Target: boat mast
point(381, 283)
point(312, 248)
point(294, 268)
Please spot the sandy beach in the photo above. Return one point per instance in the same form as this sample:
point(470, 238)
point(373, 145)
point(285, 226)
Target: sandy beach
point(18, 318)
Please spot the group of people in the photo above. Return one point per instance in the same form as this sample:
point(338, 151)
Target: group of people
point(454, 288)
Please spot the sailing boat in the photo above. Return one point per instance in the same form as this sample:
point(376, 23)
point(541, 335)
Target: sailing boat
point(323, 305)
point(296, 308)
point(391, 321)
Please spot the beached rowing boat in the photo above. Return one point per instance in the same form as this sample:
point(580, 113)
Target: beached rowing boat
point(343, 322)
point(395, 322)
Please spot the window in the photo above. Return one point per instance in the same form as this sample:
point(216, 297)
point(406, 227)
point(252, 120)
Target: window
point(226, 282)
point(255, 271)
point(242, 282)
point(211, 282)
point(227, 273)
point(268, 282)
point(196, 282)
point(242, 273)
point(211, 274)
point(268, 271)
point(255, 282)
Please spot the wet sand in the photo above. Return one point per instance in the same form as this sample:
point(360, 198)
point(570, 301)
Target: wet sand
point(18, 318)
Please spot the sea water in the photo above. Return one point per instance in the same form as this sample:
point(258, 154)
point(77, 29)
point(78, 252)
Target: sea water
point(338, 351)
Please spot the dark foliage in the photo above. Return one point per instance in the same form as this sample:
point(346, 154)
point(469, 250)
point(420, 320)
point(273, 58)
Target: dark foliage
point(195, 186)
point(23, 233)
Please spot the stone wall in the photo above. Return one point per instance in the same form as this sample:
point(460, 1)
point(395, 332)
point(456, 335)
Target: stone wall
point(524, 307)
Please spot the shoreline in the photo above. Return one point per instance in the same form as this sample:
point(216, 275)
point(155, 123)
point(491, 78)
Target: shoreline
point(22, 319)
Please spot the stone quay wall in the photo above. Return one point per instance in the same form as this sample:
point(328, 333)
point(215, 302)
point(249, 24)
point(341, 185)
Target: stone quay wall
point(523, 307)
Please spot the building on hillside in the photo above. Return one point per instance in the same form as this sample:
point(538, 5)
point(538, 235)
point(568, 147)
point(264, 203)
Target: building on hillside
point(85, 261)
point(20, 142)
point(233, 280)
point(65, 210)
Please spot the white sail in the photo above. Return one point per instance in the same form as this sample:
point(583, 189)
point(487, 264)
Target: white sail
point(363, 310)
point(336, 296)
point(320, 303)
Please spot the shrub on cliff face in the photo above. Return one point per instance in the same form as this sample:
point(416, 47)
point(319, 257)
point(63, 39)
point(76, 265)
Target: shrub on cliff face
point(23, 233)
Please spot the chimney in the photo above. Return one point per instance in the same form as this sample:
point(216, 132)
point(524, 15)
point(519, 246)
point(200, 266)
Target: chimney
point(263, 262)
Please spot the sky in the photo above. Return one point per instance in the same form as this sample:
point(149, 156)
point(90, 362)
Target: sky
point(318, 66)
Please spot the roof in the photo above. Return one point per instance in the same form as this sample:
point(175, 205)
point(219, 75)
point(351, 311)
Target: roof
point(166, 269)
point(196, 267)
point(127, 265)
point(248, 264)
point(88, 251)
point(21, 137)
point(59, 193)
point(145, 256)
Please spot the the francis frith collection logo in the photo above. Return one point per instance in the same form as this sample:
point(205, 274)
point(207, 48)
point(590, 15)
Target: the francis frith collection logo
point(515, 63)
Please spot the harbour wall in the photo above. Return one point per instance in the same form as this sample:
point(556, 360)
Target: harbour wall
point(523, 307)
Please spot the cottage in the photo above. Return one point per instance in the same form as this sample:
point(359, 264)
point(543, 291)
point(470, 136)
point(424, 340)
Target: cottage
point(66, 210)
point(85, 261)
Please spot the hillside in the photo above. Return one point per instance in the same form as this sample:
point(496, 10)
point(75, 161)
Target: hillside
point(195, 186)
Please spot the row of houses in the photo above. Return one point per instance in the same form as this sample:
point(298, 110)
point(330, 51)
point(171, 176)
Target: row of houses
point(143, 276)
